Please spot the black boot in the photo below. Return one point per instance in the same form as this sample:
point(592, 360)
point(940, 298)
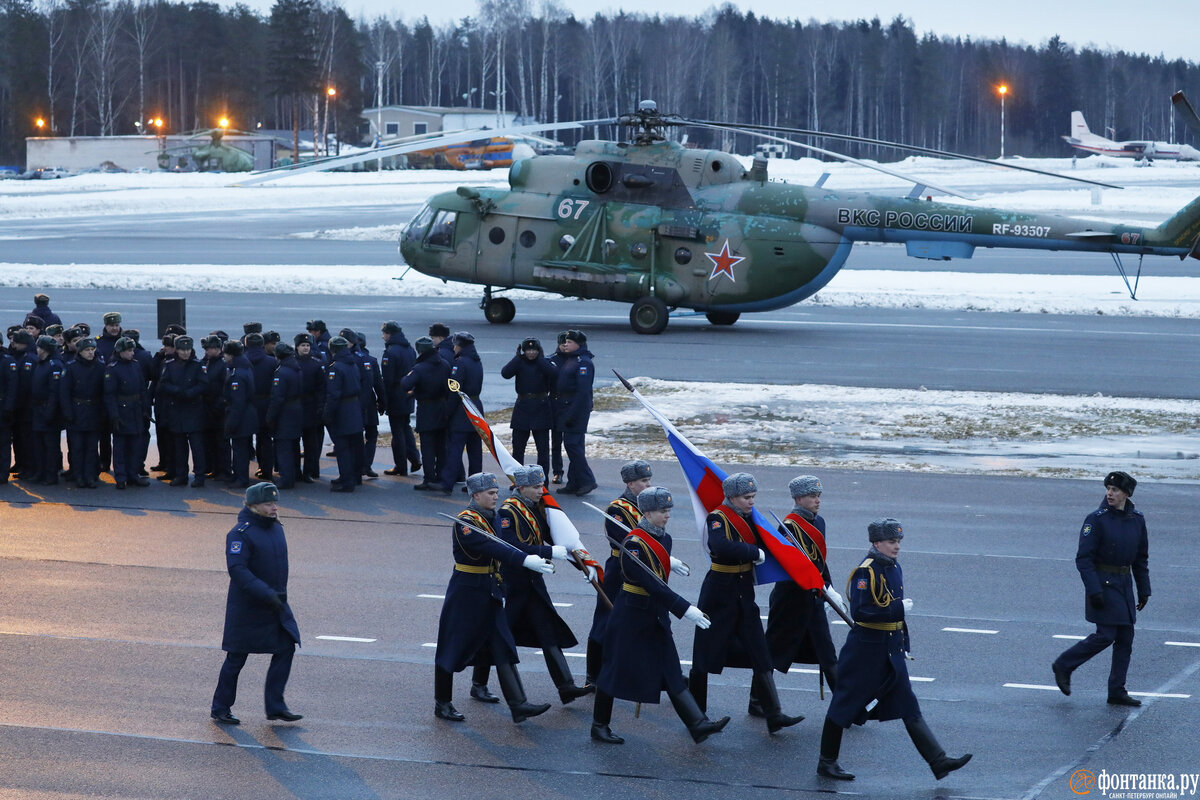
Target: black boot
point(479, 688)
point(560, 673)
point(831, 746)
point(514, 694)
point(698, 686)
point(443, 689)
point(754, 707)
point(601, 717)
point(927, 745)
point(595, 660)
point(698, 725)
point(769, 697)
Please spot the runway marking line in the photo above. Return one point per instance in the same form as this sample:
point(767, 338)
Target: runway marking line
point(969, 630)
point(432, 596)
point(1071, 637)
point(347, 639)
point(1038, 686)
point(1161, 694)
point(1183, 644)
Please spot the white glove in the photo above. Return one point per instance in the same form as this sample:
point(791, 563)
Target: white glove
point(836, 599)
point(558, 551)
point(907, 605)
point(680, 567)
point(762, 556)
point(592, 575)
point(538, 565)
point(694, 614)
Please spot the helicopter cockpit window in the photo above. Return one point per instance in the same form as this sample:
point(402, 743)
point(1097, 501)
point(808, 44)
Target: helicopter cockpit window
point(441, 233)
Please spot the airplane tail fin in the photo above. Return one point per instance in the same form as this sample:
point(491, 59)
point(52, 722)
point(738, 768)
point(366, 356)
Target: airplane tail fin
point(1079, 128)
point(1182, 229)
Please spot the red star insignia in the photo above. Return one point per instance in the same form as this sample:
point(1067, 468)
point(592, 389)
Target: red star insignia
point(723, 262)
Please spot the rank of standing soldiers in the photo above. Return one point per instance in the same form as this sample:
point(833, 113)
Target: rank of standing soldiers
point(218, 403)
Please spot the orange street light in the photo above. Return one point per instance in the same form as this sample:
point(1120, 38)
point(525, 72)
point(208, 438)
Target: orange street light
point(1003, 90)
point(332, 92)
point(41, 123)
point(224, 122)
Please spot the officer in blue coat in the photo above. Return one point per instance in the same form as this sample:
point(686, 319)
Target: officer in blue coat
point(640, 658)
point(8, 403)
point(312, 400)
point(573, 408)
point(263, 366)
point(736, 637)
point(473, 629)
point(127, 403)
point(24, 352)
point(285, 414)
point(532, 414)
point(258, 618)
point(46, 402)
point(82, 388)
point(1113, 557)
point(182, 387)
point(426, 383)
point(467, 371)
point(373, 398)
point(216, 444)
point(41, 309)
point(556, 443)
point(397, 361)
point(871, 666)
point(342, 413)
point(241, 417)
point(317, 329)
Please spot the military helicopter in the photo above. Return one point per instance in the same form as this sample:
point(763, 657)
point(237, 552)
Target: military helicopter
point(652, 223)
point(214, 156)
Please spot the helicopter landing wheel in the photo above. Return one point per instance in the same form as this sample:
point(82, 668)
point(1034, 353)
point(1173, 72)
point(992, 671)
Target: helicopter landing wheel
point(648, 315)
point(499, 310)
point(722, 317)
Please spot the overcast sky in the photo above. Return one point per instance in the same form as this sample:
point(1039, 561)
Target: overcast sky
point(1163, 26)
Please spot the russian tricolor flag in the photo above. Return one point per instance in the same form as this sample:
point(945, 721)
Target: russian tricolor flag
point(784, 561)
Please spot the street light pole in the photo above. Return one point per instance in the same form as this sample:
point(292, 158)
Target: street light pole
point(1003, 89)
point(379, 112)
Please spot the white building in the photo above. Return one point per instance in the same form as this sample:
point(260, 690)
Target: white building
point(402, 121)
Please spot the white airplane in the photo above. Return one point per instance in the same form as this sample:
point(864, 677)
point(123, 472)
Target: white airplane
point(1083, 139)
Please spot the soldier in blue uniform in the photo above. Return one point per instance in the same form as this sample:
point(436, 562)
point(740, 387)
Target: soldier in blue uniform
point(262, 365)
point(82, 387)
point(556, 443)
point(467, 370)
point(397, 361)
point(342, 413)
point(532, 414)
point(127, 403)
point(241, 417)
point(162, 433)
point(872, 666)
point(736, 637)
point(640, 659)
point(797, 630)
point(317, 329)
point(312, 400)
point(46, 403)
point(216, 444)
point(41, 309)
point(473, 629)
point(8, 403)
point(24, 353)
point(374, 403)
point(182, 386)
point(285, 415)
point(1113, 557)
point(531, 614)
point(573, 408)
point(439, 332)
point(258, 618)
point(426, 382)
point(636, 477)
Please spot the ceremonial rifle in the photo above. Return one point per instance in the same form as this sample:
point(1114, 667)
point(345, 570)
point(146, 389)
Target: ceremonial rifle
point(622, 547)
point(492, 536)
point(824, 594)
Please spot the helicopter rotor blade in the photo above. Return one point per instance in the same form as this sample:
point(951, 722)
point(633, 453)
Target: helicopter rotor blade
point(840, 156)
point(1184, 108)
point(433, 141)
point(845, 137)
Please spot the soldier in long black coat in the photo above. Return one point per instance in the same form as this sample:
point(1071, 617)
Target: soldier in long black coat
point(217, 456)
point(127, 404)
point(24, 353)
point(8, 402)
point(640, 658)
point(82, 388)
point(182, 386)
point(285, 415)
point(46, 418)
point(736, 637)
point(342, 413)
point(473, 629)
point(467, 370)
point(1113, 556)
point(373, 397)
point(397, 361)
point(262, 364)
point(258, 618)
point(871, 667)
point(532, 414)
point(241, 416)
point(426, 382)
point(572, 410)
point(312, 398)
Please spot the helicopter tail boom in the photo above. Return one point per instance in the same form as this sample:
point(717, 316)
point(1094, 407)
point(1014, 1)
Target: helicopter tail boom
point(1182, 229)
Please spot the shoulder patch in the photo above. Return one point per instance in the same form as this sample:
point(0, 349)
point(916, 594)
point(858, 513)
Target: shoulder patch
point(716, 525)
point(505, 522)
point(583, 369)
point(235, 547)
point(1087, 529)
point(861, 585)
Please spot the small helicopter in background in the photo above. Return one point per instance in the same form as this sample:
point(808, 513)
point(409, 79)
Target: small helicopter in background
point(213, 156)
point(662, 227)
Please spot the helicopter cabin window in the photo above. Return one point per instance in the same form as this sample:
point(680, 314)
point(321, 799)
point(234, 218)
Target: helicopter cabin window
point(441, 233)
point(420, 128)
point(496, 235)
point(528, 239)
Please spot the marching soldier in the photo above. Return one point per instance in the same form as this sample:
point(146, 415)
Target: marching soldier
point(285, 415)
point(636, 476)
point(127, 401)
point(397, 361)
point(473, 629)
point(532, 414)
point(426, 382)
point(312, 396)
point(83, 409)
point(640, 659)
point(342, 414)
point(736, 637)
point(241, 417)
point(872, 666)
point(182, 387)
point(1113, 557)
point(531, 614)
point(797, 630)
